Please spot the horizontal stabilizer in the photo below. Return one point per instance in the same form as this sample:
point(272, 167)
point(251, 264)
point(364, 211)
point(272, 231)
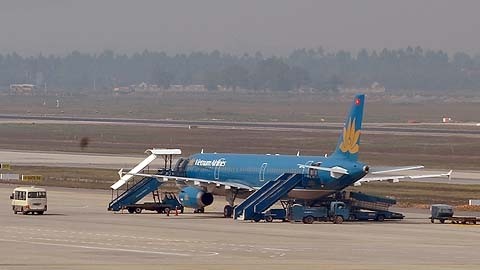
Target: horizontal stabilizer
point(335, 169)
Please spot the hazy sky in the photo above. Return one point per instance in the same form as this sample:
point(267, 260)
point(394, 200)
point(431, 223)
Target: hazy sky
point(270, 26)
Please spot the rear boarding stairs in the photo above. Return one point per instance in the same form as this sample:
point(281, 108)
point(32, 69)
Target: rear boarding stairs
point(252, 208)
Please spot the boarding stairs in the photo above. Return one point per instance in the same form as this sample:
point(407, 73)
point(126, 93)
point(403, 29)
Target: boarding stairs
point(135, 193)
point(154, 153)
point(259, 201)
point(148, 184)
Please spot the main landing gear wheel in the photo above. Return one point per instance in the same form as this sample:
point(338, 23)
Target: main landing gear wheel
point(227, 211)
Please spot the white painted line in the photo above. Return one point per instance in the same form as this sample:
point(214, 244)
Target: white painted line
point(278, 249)
point(110, 249)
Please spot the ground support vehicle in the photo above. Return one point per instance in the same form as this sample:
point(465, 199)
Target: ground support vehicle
point(336, 212)
point(153, 206)
point(29, 200)
point(169, 202)
point(443, 212)
point(351, 206)
point(137, 190)
point(464, 220)
point(275, 214)
point(373, 215)
point(368, 207)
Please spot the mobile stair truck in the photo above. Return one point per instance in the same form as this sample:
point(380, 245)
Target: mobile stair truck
point(338, 208)
point(129, 198)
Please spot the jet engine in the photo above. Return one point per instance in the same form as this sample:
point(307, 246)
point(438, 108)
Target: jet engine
point(193, 197)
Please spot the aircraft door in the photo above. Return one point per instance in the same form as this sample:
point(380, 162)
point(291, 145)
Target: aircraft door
point(261, 173)
point(216, 171)
point(305, 170)
point(180, 167)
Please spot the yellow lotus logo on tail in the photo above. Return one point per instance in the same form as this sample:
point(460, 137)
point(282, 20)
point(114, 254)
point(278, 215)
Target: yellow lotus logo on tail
point(350, 138)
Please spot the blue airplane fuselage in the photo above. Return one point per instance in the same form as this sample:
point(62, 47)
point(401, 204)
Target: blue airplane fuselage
point(255, 170)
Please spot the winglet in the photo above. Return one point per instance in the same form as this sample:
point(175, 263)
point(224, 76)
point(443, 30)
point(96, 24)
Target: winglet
point(449, 175)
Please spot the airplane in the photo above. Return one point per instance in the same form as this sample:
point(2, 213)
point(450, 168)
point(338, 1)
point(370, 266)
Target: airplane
point(233, 175)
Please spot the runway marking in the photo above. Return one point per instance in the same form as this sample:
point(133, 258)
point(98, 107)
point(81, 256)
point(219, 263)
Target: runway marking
point(106, 248)
point(150, 242)
point(277, 249)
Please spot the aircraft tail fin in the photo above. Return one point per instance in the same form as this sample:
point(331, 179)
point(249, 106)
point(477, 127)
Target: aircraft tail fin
point(348, 144)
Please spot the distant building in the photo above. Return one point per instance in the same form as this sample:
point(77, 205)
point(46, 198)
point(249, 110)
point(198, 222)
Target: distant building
point(447, 120)
point(147, 88)
point(196, 88)
point(123, 90)
point(187, 88)
point(22, 89)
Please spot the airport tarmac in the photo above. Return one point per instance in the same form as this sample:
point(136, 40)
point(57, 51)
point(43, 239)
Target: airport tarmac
point(65, 159)
point(77, 232)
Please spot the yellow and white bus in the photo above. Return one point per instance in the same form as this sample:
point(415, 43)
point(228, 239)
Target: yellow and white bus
point(29, 200)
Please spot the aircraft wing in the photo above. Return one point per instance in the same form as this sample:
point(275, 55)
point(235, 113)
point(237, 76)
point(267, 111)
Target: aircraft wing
point(397, 178)
point(227, 185)
point(194, 181)
point(381, 170)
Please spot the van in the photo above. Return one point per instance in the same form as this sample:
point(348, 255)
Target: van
point(29, 200)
